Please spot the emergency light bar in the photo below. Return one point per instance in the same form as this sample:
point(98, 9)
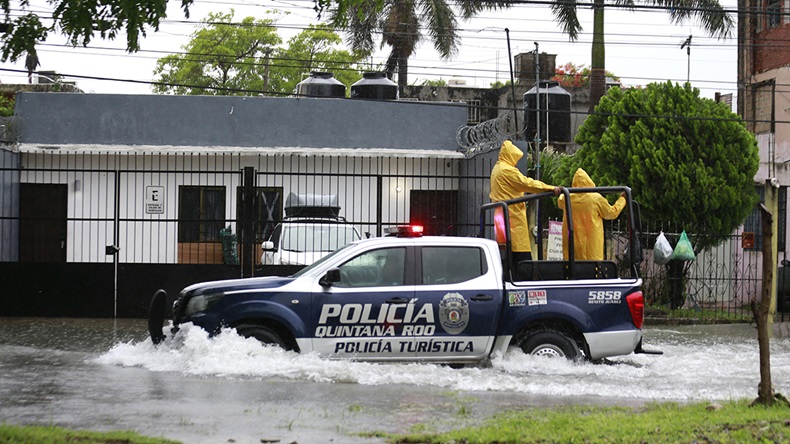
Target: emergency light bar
point(405, 231)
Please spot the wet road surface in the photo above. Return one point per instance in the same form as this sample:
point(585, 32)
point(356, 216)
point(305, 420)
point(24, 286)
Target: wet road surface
point(106, 375)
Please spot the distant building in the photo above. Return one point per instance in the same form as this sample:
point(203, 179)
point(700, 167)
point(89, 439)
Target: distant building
point(763, 76)
point(484, 104)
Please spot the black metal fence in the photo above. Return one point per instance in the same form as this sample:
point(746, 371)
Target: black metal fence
point(200, 207)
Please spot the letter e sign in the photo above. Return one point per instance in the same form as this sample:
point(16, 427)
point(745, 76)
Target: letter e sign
point(154, 200)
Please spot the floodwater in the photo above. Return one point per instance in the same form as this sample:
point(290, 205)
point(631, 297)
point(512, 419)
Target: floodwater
point(107, 375)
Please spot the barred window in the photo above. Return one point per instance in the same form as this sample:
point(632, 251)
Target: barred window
point(773, 14)
point(473, 112)
point(201, 213)
point(268, 207)
point(763, 106)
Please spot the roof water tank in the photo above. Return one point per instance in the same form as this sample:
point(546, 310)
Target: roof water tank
point(321, 84)
point(548, 105)
point(374, 85)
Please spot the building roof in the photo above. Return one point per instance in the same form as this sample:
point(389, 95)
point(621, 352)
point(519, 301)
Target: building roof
point(265, 150)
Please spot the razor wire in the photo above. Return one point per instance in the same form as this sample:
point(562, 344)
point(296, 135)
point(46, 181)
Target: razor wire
point(486, 136)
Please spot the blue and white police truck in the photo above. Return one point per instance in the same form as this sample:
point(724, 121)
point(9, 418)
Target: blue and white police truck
point(408, 297)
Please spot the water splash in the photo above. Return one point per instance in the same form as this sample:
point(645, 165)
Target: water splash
point(712, 367)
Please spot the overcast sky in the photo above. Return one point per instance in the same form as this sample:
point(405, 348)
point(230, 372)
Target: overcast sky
point(641, 47)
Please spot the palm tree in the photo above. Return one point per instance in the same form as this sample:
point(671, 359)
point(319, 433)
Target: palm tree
point(710, 13)
point(31, 63)
point(401, 23)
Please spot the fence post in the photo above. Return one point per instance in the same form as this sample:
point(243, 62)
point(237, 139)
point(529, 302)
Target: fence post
point(116, 238)
point(379, 204)
point(247, 223)
point(772, 205)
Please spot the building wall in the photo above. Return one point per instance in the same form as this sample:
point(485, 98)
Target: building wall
point(92, 178)
point(770, 52)
point(763, 72)
point(773, 137)
point(109, 119)
point(109, 148)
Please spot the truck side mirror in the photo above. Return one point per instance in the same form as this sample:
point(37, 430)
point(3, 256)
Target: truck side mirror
point(268, 246)
point(332, 275)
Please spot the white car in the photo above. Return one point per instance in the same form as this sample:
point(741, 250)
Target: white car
point(302, 241)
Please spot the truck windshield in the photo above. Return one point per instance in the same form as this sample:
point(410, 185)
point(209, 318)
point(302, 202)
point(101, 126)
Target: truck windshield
point(318, 237)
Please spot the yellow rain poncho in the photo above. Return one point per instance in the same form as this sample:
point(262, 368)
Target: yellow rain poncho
point(507, 182)
point(588, 210)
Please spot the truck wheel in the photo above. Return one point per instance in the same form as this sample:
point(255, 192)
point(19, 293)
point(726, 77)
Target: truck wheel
point(552, 344)
point(263, 334)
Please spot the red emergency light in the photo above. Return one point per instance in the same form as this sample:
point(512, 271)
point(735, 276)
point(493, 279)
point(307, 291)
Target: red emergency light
point(405, 231)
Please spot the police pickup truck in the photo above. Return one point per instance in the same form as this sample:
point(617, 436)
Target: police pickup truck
point(408, 297)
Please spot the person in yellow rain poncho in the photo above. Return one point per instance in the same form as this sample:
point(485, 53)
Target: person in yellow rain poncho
point(507, 182)
point(588, 210)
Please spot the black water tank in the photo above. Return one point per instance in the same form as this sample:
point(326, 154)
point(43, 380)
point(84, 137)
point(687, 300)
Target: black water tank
point(374, 85)
point(558, 115)
point(321, 84)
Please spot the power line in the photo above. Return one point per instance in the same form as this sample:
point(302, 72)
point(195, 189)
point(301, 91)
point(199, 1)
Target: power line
point(417, 69)
point(426, 103)
point(433, 70)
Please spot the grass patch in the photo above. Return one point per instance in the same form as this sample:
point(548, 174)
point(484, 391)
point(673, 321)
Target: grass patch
point(11, 434)
point(696, 315)
point(734, 422)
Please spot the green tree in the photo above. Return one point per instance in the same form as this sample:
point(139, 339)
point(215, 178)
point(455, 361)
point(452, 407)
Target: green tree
point(689, 161)
point(709, 12)
point(401, 24)
point(499, 84)
point(221, 58)
point(6, 106)
point(314, 49)
point(80, 21)
point(227, 58)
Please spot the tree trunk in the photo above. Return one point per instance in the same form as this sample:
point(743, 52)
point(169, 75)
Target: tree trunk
point(677, 283)
point(765, 392)
point(403, 73)
point(598, 63)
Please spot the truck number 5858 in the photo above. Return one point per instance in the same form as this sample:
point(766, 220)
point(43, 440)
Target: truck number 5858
point(604, 297)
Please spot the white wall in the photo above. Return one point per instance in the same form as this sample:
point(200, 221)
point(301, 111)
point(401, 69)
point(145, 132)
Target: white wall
point(152, 238)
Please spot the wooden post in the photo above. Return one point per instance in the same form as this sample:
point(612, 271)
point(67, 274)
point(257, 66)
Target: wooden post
point(765, 388)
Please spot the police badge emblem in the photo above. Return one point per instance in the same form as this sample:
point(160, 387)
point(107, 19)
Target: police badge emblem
point(453, 313)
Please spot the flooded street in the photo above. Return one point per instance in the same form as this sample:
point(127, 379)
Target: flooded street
point(107, 375)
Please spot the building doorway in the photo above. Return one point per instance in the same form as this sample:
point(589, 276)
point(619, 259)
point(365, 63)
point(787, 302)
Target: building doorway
point(42, 222)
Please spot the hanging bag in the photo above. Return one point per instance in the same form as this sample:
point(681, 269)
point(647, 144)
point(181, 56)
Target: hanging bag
point(683, 250)
point(662, 252)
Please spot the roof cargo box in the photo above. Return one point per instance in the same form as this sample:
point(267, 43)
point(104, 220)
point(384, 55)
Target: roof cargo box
point(312, 205)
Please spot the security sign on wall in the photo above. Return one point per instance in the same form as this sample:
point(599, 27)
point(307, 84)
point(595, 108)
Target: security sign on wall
point(154, 200)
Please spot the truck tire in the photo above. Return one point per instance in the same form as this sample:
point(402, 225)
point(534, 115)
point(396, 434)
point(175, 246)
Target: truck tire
point(552, 344)
point(263, 334)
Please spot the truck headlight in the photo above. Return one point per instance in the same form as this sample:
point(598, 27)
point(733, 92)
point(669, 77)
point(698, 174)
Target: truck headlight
point(201, 303)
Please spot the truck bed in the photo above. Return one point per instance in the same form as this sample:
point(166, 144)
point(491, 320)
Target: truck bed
point(562, 270)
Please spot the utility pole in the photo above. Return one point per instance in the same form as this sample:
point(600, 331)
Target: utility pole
point(512, 82)
point(687, 44)
point(267, 53)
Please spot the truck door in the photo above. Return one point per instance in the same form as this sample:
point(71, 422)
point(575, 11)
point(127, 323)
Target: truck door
point(465, 292)
point(366, 313)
